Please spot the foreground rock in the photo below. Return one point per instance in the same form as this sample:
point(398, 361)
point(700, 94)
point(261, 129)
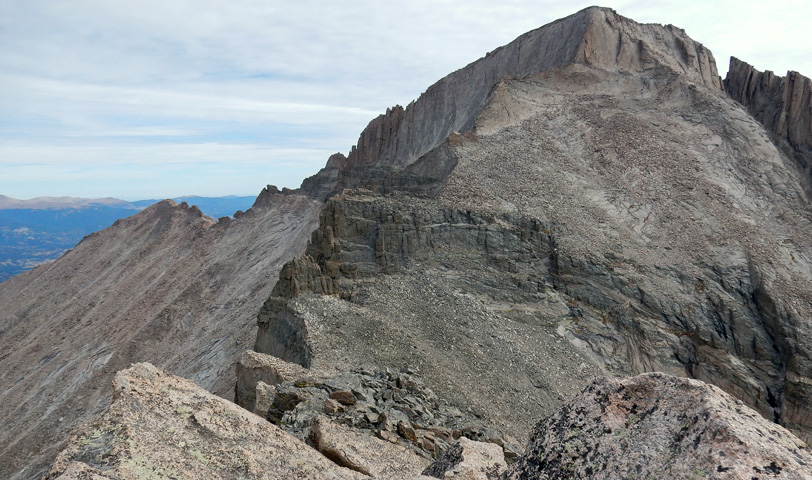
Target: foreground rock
point(469, 460)
point(162, 426)
point(364, 453)
point(659, 426)
point(395, 407)
point(649, 426)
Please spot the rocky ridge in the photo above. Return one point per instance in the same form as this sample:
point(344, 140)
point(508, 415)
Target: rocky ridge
point(160, 426)
point(390, 146)
point(395, 406)
point(167, 285)
point(671, 235)
point(406, 276)
point(781, 104)
point(650, 426)
point(583, 201)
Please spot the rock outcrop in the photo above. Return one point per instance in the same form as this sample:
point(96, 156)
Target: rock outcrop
point(469, 460)
point(650, 426)
point(393, 406)
point(658, 426)
point(162, 426)
point(781, 104)
point(364, 453)
point(462, 296)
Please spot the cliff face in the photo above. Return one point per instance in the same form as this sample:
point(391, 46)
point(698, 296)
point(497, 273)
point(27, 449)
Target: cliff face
point(463, 296)
point(595, 37)
point(782, 104)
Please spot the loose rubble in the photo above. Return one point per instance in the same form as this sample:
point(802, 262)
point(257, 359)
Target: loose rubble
point(395, 406)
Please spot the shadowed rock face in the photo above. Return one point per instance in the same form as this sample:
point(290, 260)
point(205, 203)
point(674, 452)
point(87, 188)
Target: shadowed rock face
point(658, 426)
point(781, 104)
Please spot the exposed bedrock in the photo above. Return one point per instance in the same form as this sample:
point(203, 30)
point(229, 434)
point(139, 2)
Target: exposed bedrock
point(782, 104)
point(462, 297)
point(649, 426)
point(722, 325)
point(659, 426)
point(670, 240)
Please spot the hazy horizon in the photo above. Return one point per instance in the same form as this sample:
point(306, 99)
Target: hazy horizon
point(135, 199)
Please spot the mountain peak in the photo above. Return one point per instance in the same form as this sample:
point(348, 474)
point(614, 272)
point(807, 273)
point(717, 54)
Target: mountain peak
point(595, 37)
point(599, 37)
point(613, 42)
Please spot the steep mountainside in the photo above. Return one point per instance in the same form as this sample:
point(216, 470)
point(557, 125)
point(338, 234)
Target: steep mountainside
point(587, 200)
point(392, 151)
point(615, 213)
point(782, 105)
point(167, 285)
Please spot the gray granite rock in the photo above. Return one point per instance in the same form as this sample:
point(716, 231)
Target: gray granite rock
point(658, 426)
point(162, 426)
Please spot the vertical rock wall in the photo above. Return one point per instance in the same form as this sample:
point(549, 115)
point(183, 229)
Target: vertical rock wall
point(782, 104)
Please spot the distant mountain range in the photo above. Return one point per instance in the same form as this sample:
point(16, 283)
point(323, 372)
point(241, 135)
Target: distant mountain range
point(41, 229)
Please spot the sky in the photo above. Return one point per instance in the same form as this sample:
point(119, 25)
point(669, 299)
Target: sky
point(156, 99)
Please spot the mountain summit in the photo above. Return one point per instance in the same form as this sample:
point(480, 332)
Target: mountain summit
point(589, 200)
point(595, 37)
